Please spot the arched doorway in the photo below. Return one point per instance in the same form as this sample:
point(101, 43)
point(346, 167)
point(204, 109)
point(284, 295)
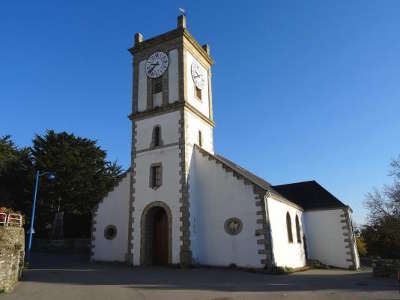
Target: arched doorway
point(156, 235)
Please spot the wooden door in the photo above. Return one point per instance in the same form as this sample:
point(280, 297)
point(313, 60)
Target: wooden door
point(160, 238)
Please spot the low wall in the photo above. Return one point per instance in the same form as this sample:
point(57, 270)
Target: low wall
point(386, 267)
point(12, 253)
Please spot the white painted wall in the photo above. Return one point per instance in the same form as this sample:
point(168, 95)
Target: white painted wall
point(169, 191)
point(324, 237)
point(169, 124)
point(157, 99)
point(193, 125)
point(216, 195)
point(173, 76)
point(285, 254)
point(113, 210)
point(203, 105)
point(142, 86)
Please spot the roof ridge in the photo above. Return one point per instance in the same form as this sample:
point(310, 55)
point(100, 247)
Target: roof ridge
point(297, 182)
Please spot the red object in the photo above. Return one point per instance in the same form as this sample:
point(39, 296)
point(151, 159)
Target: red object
point(3, 217)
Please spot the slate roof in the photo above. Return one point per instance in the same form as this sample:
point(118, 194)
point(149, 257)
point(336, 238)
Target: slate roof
point(309, 195)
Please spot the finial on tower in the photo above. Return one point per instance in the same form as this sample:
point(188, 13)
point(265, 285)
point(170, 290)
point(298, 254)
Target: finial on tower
point(138, 38)
point(206, 48)
point(182, 19)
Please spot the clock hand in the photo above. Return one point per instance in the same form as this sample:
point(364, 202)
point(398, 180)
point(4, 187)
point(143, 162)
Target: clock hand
point(154, 65)
point(152, 68)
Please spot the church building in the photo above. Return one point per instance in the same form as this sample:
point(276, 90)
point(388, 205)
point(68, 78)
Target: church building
point(182, 203)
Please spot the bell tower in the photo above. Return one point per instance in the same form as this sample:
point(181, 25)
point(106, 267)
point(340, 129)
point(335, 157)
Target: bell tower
point(171, 112)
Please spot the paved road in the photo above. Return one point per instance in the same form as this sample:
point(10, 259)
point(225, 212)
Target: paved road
point(56, 277)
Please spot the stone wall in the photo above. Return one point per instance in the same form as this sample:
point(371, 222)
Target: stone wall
point(12, 253)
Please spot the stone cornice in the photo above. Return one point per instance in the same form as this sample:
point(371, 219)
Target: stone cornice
point(199, 114)
point(200, 49)
point(157, 148)
point(169, 108)
point(179, 32)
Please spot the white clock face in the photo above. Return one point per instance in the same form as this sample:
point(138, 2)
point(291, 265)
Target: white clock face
point(156, 64)
point(198, 75)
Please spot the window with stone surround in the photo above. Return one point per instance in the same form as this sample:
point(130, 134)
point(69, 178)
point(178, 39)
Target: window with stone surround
point(298, 229)
point(289, 227)
point(155, 175)
point(197, 93)
point(156, 137)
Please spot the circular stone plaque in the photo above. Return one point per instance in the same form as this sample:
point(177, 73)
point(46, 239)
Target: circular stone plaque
point(233, 226)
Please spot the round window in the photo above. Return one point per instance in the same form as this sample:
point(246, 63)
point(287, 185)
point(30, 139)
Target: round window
point(233, 226)
point(110, 232)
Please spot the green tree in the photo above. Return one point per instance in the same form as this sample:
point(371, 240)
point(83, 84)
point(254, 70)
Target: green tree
point(8, 152)
point(83, 175)
point(382, 234)
point(16, 176)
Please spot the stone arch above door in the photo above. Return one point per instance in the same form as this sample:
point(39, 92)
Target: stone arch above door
point(145, 233)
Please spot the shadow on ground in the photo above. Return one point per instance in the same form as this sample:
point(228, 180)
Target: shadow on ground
point(77, 270)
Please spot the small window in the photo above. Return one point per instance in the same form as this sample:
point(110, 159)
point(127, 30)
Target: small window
point(155, 176)
point(200, 139)
point(298, 229)
point(197, 92)
point(110, 232)
point(156, 136)
point(156, 85)
point(289, 228)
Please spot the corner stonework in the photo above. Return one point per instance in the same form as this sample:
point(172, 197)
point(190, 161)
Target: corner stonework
point(348, 238)
point(129, 254)
point(185, 253)
point(264, 234)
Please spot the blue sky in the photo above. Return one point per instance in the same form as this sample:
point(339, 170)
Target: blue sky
point(302, 89)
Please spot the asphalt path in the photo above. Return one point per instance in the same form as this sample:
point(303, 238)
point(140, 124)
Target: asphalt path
point(72, 277)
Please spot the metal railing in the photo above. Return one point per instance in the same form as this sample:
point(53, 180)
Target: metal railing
point(11, 219)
